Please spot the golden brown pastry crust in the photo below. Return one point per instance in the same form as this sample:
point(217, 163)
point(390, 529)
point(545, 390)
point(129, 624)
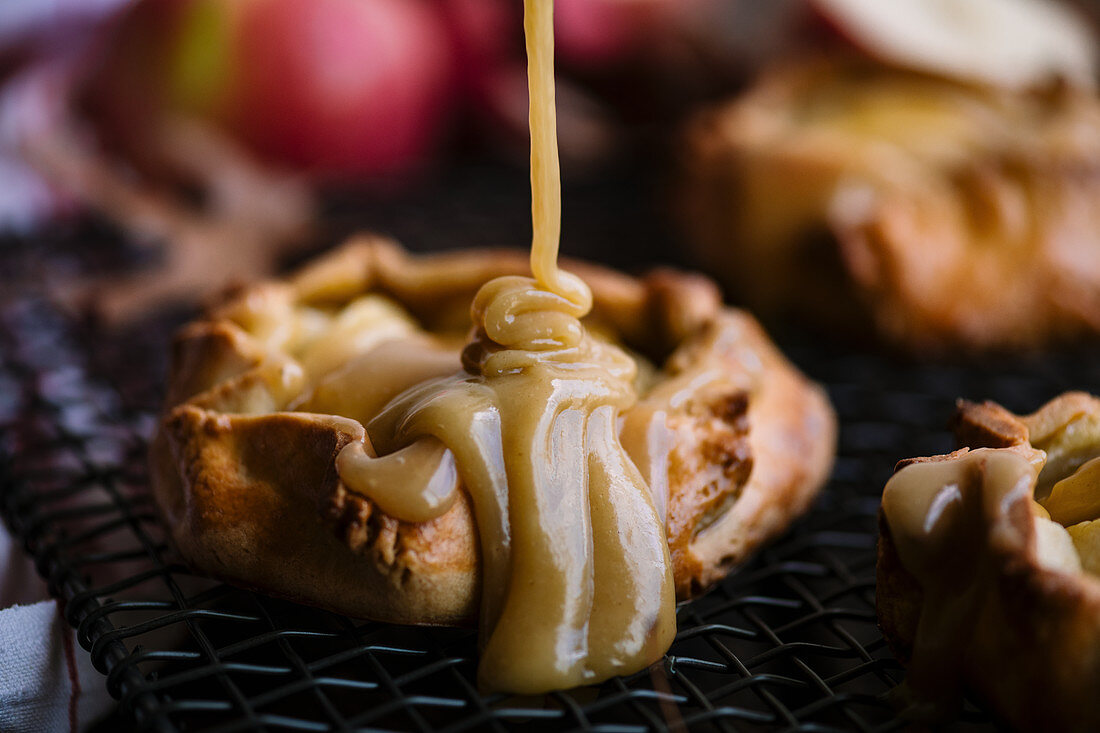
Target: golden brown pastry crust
point(969, 224)
point(1034, 654)
point(251, 494)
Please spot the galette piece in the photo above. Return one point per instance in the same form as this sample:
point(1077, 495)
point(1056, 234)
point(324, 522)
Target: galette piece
point(988, 562)
point(940, 214)
point(309, 445)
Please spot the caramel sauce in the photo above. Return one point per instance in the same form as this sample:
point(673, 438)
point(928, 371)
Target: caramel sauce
point(577, 580)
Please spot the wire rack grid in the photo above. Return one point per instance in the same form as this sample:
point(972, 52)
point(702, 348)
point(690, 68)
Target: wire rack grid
point(787, 643)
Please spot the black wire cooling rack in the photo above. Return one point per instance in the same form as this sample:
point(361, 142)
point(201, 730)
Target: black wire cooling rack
point(789, 642)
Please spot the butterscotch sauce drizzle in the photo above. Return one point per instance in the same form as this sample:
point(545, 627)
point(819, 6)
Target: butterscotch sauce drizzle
point(416, 483)
point(576, 577)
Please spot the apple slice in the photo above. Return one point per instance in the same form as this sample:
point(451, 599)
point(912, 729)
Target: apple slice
point(1005, 43)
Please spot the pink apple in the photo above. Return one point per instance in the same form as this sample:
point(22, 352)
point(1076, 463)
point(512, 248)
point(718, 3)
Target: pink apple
point(485, 34)
point(337, 88)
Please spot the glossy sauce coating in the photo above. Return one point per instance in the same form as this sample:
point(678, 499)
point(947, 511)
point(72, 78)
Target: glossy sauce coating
point(577, 580)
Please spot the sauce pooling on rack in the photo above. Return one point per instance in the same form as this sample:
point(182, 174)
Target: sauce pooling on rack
point(576, 577)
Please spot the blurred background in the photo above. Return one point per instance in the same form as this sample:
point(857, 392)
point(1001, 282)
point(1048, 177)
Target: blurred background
point(154, 151)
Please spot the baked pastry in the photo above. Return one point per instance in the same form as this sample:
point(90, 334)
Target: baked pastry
point(258, 410)
point(266, 373)
point(534, 467)
point(987, 566)
point(941, 214)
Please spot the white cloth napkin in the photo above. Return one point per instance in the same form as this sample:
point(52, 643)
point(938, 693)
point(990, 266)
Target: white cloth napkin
point(47, 682)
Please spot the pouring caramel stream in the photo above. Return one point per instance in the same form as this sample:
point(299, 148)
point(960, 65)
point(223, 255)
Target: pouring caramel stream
point(576, 576)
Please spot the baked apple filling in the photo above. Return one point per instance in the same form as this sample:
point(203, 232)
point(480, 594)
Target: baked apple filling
point(1068, 488)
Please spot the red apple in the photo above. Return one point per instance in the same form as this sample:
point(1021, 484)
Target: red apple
point(333, 87)
point(485, 35)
